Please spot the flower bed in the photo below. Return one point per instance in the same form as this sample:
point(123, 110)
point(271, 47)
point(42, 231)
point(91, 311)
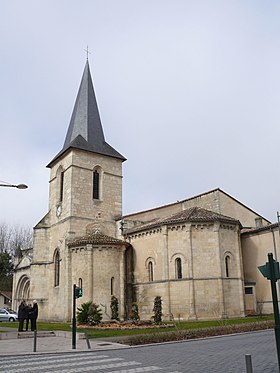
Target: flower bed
point(124, 325)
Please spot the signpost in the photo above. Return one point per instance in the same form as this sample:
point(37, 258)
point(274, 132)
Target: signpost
point(77, 293)
point(270, 270)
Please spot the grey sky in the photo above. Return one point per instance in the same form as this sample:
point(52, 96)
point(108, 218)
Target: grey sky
point(188, 92)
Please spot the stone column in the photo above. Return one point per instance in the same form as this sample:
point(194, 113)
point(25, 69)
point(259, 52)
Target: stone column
point(216, 228)
point(240, 274)
point(192, 313)
point(68, 280)
point(90, 270)
point(166, 268)
point(122, 283)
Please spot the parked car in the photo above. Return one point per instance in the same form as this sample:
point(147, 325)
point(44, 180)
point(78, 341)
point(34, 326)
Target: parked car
point(8, 315)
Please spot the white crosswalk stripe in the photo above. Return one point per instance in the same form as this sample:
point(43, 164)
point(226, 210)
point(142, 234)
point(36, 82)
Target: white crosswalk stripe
point(47, 357)
point(137, 370)
point(33, 367)
point(38, 361)
point(73, 363)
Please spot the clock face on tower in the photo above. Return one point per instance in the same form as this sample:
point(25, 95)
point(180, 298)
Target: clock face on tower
point(58, 210)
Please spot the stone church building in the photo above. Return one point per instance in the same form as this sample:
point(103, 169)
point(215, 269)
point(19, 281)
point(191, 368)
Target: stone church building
point(199, 254)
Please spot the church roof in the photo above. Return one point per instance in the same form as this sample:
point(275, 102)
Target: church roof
point(85, 130)
point(96, 238)
point(194, 214)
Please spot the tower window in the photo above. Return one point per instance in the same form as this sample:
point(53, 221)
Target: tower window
point(56, 268)
point(61, 186)
point(112, 285)
point(151, 271)
point(96, 185)
point(178, 268)
point(80, 283)
point(227, 265)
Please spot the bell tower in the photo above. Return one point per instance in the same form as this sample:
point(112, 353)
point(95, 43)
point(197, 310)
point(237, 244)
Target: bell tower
point(86, 175)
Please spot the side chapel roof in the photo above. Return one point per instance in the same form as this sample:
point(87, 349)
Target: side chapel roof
point(194, 214)
point(96, 238)
point(85, 130)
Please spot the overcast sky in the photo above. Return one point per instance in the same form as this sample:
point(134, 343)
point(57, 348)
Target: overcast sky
point(188, 91)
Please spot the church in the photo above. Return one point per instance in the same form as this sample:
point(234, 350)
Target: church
point(200, 255)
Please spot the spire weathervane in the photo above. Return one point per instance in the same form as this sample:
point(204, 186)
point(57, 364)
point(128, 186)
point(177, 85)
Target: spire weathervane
point(87, 52)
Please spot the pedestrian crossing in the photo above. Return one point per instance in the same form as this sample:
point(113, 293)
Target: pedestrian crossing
point(75, 363)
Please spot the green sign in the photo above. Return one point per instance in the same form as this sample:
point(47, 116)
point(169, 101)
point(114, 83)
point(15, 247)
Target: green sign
point(78, 292)
point(266, 270)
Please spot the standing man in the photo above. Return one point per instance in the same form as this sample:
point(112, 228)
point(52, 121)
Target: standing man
point(34, 315)
point(22, 311)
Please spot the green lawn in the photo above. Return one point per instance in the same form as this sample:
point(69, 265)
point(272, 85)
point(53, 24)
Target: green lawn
point(183, 325)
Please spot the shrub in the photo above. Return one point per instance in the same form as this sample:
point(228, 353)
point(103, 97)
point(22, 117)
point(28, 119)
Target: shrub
point(114, 308)
point(157, 310)
point(89, 313)
point(135, 312)
point(82, 314)
point(94, 314)
point(198, 333)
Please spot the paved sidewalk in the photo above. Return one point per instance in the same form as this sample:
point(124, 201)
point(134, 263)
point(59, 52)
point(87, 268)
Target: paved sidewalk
point(61, 342)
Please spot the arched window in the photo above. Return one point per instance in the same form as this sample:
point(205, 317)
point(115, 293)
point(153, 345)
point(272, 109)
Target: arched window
point(80, 283)
point(178, 268)
point(96, 185)
point(112, 285)
point(56, 268)
point(227, 265)
point(61, 187)
point(151, 271)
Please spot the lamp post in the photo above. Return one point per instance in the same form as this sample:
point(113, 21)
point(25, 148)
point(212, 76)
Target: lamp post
point(18, 186)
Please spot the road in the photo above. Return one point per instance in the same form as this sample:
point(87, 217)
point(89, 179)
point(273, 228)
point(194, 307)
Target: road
point(218, 355)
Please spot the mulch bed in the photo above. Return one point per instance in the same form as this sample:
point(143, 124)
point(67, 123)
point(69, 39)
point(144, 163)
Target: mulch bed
point(124, 325)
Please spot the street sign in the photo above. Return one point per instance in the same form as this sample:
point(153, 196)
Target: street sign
point(266, 271)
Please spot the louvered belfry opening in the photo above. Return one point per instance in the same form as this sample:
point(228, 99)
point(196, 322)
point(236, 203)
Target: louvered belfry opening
point(96, 185)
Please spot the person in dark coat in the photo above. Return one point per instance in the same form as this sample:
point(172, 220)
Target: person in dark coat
point(22, 314)
point(29, 312)
point(34, 315)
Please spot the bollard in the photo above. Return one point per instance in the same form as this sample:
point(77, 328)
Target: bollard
point(248, 359)
point(35, 341)
point(86, 336)
point(87, 340)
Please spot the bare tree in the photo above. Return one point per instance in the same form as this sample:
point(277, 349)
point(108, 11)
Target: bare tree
point(12, 241)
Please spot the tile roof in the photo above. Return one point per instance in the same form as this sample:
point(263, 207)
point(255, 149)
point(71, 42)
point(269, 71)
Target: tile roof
point(6, 294)
point(194, 214)
point(96, 238)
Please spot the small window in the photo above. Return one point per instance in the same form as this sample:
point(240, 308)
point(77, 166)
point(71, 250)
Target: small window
point(259, 222)
point(96, 185)
point(112, 285)
point(178, 268)
point(56, 268)
point(249, 290)
point(151, 271)
point(227, 264)
point(61, 186)
point(80, 283)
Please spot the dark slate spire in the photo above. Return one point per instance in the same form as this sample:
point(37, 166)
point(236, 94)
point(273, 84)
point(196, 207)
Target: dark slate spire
point(85, 129)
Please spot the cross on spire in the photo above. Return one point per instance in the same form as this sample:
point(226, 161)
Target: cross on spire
point(87, 52)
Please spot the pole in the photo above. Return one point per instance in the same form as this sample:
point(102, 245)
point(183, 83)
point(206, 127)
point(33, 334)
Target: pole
point(87, 340)
point(35, 341)
point(74, 319)
point(275, 304)
point(248, 360)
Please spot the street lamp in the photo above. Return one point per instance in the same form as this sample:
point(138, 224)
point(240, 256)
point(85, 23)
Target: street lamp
point(18, 186)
